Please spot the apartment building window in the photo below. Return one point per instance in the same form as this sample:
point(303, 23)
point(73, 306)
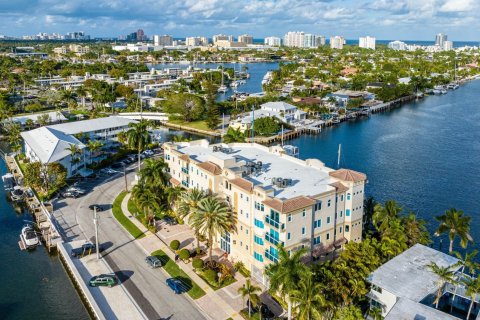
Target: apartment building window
point(246, 231)
point(246, 247)
point(259, 206)
point(288, 236)
point(317, 223)
point(258, 240)
point(348, 196)
point(241, 195)
point(258, 223)
point(289, 217)
point(341, 197)
point(340, 231)
point(246, 214)
point(329, 203)
point(317, 240)
point(347, 228)
point(241, 228)
point(328, 220)
point(258, 256)
point(303, 230)
point(241, 243)
point(304, 212)
point(246, 199)
point(341, 213)
point(241, 212)
point(328, 236)
point(318, 206)
point(347, 212)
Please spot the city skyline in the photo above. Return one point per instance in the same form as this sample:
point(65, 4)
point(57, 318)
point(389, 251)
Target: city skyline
point(384, 19)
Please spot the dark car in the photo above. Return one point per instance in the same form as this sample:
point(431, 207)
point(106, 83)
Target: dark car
point(117, 165)
point(176, 285)
point(170, 220)
point(95, 206)
point(103, 280)
point(85, 249)
point(267, 314)
point(153, 261)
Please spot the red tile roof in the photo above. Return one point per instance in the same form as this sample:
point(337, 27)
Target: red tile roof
point(339, 186)
point(289, 205)
point(348, 175)
point(242, 184)
point(210, 167)
point(174, 181)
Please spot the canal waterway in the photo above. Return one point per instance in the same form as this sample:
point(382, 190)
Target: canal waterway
point(424, 154)
point(34, 284)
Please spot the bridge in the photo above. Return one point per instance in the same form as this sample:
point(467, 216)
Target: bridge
point(155, 116)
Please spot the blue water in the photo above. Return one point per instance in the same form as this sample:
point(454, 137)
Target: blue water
point(33, 285)
point(425, 154)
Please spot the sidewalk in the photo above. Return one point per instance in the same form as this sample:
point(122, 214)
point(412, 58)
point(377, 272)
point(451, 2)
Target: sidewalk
point(211, 303)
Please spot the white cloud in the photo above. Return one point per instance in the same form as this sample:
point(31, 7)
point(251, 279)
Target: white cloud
point(457, 6)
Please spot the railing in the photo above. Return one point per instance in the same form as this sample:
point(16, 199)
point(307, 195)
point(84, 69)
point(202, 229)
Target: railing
point(185, 183)
point(185, 170)
point(274, 223)
point(270, 257)
point(272, 240)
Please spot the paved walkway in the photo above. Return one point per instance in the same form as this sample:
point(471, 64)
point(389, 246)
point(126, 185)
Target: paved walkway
point(212, 304)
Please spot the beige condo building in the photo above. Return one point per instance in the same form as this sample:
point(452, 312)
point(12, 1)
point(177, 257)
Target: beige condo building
point(278, 199)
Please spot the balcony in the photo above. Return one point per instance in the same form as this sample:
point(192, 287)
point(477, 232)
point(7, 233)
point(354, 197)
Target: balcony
point(270, 257)
point(275, 224)
point(185, 170)
point(185, 183)
point(272, 240)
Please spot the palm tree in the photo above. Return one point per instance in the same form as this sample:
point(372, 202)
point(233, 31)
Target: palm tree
point(213, 217)
point(13, 135)
point(93, 146)
point(154, 172)
point(234, 135)
point(68, 97)
point(473, 289)
point(172, 194)
point(455, 224)
point(308, 298)
point(467, 262)
point(415, 230)
point(445, 275)
point(74, 152)
point(286, 274)
point(368, 209)
point(138, 137)
point(146, 199)
point(82, 93)
point(249, 291)
point(383, 215)
point(187, 205)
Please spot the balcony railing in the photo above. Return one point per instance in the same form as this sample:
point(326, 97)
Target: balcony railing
point(185, 170)
point(272, 240)
point(185, 183)
point(270, 257)
point(275, 224)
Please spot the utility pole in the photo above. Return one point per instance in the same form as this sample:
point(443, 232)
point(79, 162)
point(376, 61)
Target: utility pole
point(125, 176)
point(95, 221)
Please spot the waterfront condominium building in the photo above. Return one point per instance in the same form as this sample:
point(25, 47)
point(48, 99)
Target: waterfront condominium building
point(397, 45)
point(245, 38)
point(164, 40)
point(447, 45)
point(337, 42)
point(278, 199)
point(367, 42)
point(273, 41)
point(440, 39)
point(303, 40)
point(221, 37)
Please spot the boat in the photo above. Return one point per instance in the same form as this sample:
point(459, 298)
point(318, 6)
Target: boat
point(17, 194)
point(267, 78)
point(234, 84)
point(335, 120)
point(222, 89)
point(29, 237)
point(453, 86)
point(8, 181)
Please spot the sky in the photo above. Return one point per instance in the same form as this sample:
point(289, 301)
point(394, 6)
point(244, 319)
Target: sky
point(383, 19)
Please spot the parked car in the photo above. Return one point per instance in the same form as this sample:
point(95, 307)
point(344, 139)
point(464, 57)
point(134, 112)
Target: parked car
point(103, 280)
point(153, 261)
point(95, 206)
point(76, 190)
point(267, 314)
point(170, 221)
point(176, 285)
point(85, 249)
point(69, 194)
point(109, 171)
point(148, 152)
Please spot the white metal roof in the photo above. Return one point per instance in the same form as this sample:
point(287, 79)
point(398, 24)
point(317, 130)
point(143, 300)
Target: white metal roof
point(277, 106)
point(92, 125)
point(406, 309)
point(53, 115)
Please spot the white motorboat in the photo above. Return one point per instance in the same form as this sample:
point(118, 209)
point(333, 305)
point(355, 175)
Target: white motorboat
point(222, 89)
point(29, 237)
point(17, 194)
point(8, 181)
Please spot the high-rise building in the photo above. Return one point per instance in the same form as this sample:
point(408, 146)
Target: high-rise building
point(447, 45)
point(141, 35)
point(221, 37)
point(367, 42)
point(440, 39)
point(337, 42)
point(245, 38)
point(302, 40)
point(397, 45)
point(192, 41)
point(320, 41)
point(164, 40)
point(273, 41)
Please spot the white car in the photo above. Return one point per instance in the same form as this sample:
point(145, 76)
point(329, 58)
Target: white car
point(148, 152)
point(108, 171)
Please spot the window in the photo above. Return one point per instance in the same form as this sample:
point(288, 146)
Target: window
point(347, 212)
point(329, 203)
point(328, 220)
point(341, 213)
point(259, 206)
point(347, 228)
point(241, 244)
point(303, 230)
point(348, 196)
point(340, 231)
point(241, 195)
point(316, 240)
point(317, 223)
point(258, 223)
point(289, 217)
point(341, 197)
point(246, 247)
point(241, 211)
point(246, 213)
point(246, 199)
point(246, 231)
point(376, 288)
point(258, 256)
point(318, 206)
point(288, 236)
point(328, 236)
point(241, 227)
point(303, 213)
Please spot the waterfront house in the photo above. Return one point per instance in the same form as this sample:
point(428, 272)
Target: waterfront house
point(277, 198)
point(405, 287)
point(344, 96)
point(49, 144)
point(51, 117)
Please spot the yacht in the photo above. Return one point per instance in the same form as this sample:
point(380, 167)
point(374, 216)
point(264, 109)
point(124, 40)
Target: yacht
point(267, 78)
point(29, 237)
point(17, 193)
point(8, 181)
point(222, 89)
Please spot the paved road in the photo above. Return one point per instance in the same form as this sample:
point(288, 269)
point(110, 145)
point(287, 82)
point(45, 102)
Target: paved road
point(147, 286)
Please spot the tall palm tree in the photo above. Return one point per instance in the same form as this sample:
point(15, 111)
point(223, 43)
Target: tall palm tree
point(154, 172)
point(68, 97)
point(234, 135)
point(473, 289)
point(249, 291)
point(286, 273)
point(466, 263)
point(146, 199)
point(93, 146)
point(172, 194)
point(213, 217)
point(82, 93)
point(138, 137)
point(187, 206)
point(445, 275)
point(383, 215)
point(415, 230)
point(369, 209)
point(455, 224)
point(74, 153)
point(308, 298)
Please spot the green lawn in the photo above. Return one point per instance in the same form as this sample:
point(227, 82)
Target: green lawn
point(132, 208)
point(175, 272)
point(124, 221)
point(200, 125)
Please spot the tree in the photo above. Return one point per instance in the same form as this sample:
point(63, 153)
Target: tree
point(249, 291)
point(93, 146)
point(138, 137)
point(184, 106)
point(82, 93)
point(233, 135)
point(69, 98)
point(455, 224)
point(146, 199)
point(267, 126)
point(153, 172)
point(29, 124)
point(44, 177)
point(74, 153)
point(369, 209)
point(445, 275)
point(43, 119)
point(13, 134)
point(187, 206)
point(286, 274)
point(473, 289)
point(467, 262)
point(213, 115)
point(213, 217)
point(415, 230)
point(383, 215)
point(308, 298)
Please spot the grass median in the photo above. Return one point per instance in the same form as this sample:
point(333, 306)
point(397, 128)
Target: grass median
point(124, 220)
point(174, 271)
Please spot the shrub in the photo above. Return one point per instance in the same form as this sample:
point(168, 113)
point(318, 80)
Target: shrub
point(197, 263)
point(211, 276)
point(184, 254)
point(175, 244)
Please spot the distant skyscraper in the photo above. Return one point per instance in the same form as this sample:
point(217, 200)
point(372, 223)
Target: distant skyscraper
point(164, 40)
point(245, 38)
point(447, 45)
point(397, 45)
point(220, 37)
point(140, 35)
point(302, 40)
point(367, 42)
point(337, 42)
point(320, 40)
point(273, 41)
point(440, 39)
